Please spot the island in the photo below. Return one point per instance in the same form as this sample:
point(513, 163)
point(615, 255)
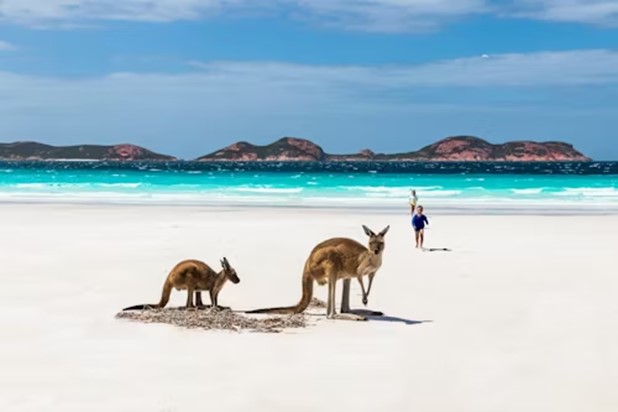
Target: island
point(293, 149)
point(457, 148)
point(38, 151)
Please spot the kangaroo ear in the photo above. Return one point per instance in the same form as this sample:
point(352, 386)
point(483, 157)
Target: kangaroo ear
point(222, 263)
point(383, 232)
point(368, 231)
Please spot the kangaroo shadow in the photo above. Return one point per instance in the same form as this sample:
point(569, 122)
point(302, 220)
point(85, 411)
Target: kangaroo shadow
point(396, 319)
point(372, 315)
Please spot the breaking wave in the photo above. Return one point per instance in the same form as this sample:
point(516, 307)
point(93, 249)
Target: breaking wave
point(357, 184)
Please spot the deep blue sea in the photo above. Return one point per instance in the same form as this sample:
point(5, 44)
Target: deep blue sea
point(484, 185)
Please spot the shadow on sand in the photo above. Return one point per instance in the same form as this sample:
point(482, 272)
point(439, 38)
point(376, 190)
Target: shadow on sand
point(377, 316)
point(436, 249)
point(396, 319)
point(371, 316)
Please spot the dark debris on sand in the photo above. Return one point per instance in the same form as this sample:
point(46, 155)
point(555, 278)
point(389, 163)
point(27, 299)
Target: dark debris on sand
point(317, 303)
point(215, 319)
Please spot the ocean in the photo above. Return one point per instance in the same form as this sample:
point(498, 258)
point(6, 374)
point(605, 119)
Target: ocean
point(487, 186)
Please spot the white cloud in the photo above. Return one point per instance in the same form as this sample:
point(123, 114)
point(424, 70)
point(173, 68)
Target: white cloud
point(599, 12)
point(257, 87)
point(216, 84)
point(368, 15)
point(389, 15)
point(236, 87)
point(569, 68)
point(6, 46)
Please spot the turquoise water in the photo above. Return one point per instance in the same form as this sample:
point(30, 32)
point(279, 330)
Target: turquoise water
point(457, 186)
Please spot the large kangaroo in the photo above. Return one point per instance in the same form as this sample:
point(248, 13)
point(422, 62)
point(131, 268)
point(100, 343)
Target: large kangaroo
point(334, 259)
point(194, 276)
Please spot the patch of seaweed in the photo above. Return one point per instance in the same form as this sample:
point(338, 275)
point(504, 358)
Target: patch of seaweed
point(215, 319)
point(317, 303)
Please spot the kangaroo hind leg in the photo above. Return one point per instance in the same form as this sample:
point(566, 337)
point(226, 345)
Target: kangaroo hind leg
point(331, 312)
point(198, 299)
point(190, 298)
point(345, 302)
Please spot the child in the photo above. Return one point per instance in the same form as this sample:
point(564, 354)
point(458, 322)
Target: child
point(413, 200)
point(418, 223)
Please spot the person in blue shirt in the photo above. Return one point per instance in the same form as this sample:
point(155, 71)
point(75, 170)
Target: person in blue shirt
point(419, 220)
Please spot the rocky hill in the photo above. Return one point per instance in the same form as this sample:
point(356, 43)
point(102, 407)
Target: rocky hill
point(469, 148)
point(459, 148)
point(287, 148)
point(39, 151)
point(284, 149)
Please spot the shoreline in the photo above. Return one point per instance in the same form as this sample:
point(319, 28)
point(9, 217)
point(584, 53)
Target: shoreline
point(487, 210)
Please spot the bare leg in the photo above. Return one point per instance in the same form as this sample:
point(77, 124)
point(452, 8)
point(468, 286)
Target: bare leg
point(422, 236)
point(417, 237)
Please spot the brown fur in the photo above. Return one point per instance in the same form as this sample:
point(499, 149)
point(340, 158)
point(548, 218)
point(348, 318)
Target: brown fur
point(334, 259)
point(194, 276)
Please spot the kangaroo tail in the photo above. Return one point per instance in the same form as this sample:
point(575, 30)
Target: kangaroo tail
point(165, 297)
point(300, 306)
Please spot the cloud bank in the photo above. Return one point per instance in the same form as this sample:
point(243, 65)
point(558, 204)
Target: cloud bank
point(365, 15)
point(568, 68)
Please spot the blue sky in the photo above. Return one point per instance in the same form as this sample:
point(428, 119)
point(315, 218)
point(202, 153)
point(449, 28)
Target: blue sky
point(186, 77)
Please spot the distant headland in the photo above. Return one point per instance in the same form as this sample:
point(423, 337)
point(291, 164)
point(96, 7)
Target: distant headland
point(291, 149)
point(88, 152)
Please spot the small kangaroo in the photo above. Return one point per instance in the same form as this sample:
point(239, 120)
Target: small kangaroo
point(334, 259)
point(194, 276)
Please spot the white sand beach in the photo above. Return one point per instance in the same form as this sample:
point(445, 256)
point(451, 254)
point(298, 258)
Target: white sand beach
point(521, 315)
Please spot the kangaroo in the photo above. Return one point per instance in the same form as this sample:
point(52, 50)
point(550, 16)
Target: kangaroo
point(334, 259)
point(194, 276)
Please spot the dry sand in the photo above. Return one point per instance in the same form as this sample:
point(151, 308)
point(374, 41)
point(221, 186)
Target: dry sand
point(520, 316)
